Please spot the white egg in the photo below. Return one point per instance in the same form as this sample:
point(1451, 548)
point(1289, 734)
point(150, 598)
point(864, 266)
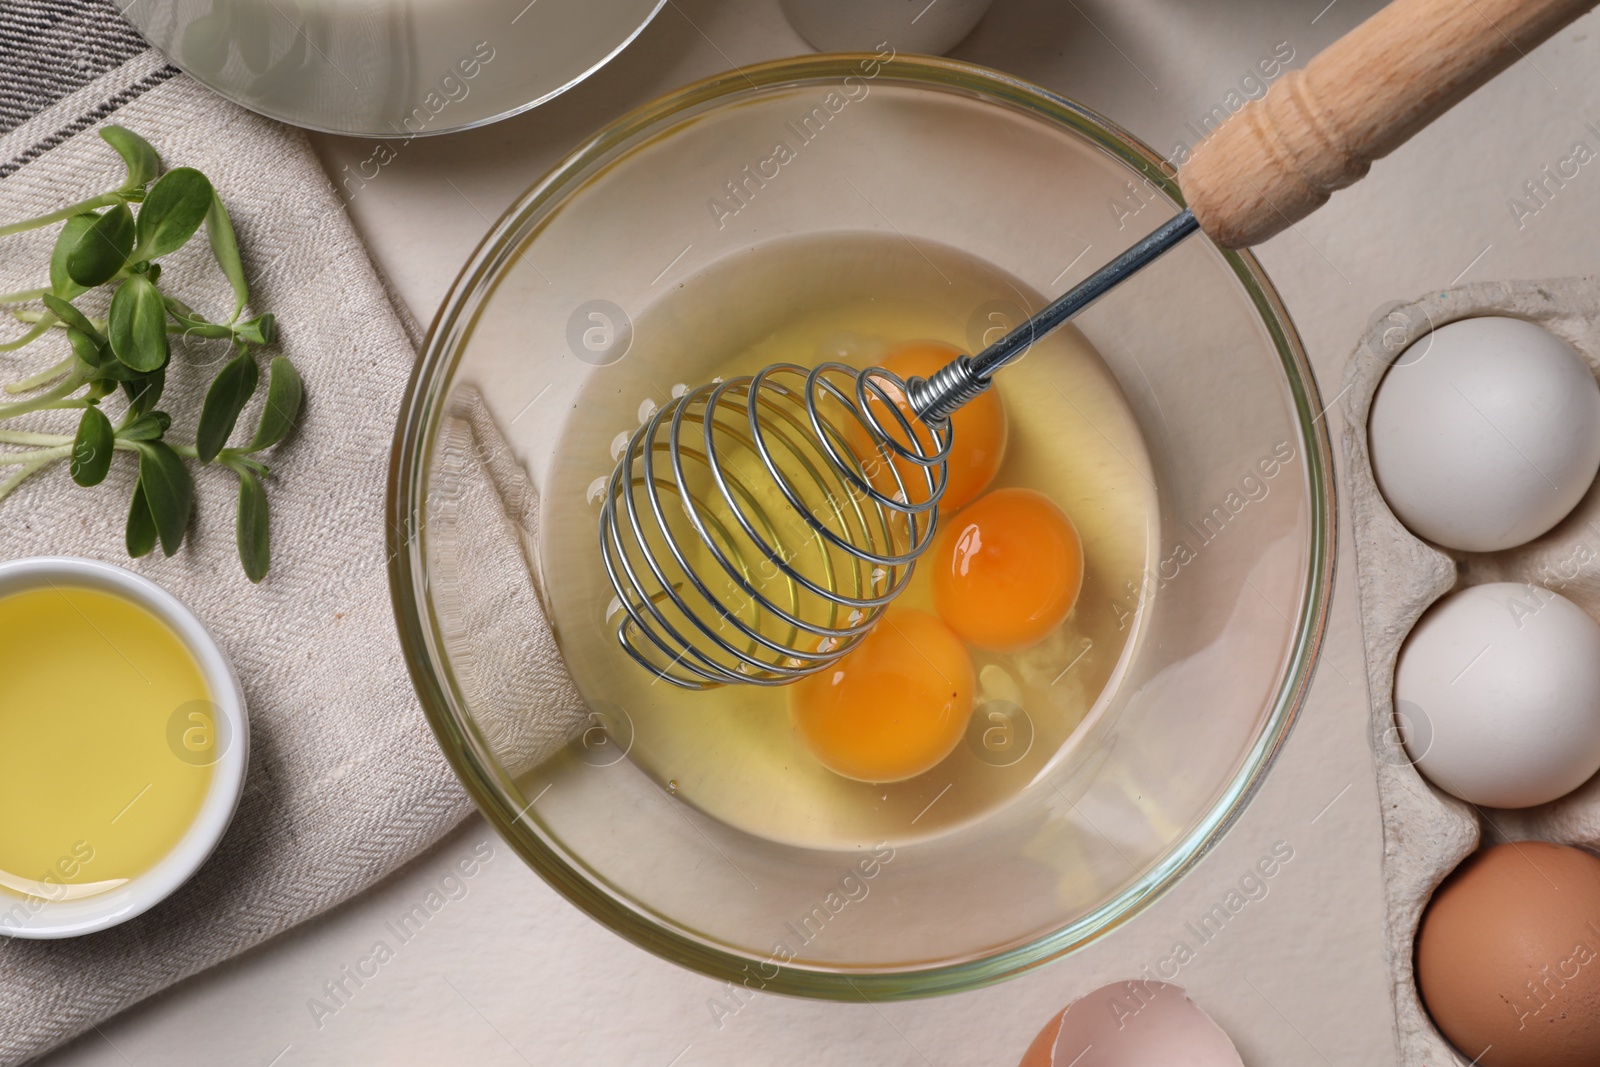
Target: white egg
point(1485, 433)
point(1497, 695)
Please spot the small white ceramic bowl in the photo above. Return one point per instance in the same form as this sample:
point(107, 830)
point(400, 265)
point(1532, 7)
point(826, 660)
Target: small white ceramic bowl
point(35, 917)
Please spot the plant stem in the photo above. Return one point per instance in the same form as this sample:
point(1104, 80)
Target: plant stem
point(239, 461)
point(52, 398)
point(34, 461)
point(25, 458)
point(22, 295)
point(40, 316)
point(99, 324)
point(24, 437)
point(43, 378)
point(103, 200)
point(183, 450)
point(41, 325)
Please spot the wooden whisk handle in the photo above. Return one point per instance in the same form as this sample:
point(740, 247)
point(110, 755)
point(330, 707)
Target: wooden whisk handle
point(1318, 129)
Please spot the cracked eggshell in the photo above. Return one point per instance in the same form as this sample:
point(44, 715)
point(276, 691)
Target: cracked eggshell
point(1135, 1023)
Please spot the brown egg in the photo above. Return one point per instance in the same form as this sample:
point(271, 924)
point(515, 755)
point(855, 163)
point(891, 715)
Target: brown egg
point(1508, 956)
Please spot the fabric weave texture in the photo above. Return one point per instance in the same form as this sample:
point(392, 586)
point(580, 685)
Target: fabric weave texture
point(346, 782)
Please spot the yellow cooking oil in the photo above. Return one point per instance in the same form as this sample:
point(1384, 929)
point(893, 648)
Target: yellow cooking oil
point(103, 757)
point(732, 751)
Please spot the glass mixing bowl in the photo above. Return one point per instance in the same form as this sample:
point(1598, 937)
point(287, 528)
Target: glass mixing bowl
point(1238, 588)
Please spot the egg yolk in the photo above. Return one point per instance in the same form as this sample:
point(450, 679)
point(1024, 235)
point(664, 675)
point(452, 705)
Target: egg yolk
point(1007, 570)
point(894, 707)
point(978, 427)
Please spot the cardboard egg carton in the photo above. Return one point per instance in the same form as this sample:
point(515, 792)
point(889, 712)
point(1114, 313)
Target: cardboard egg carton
point(1427, 832)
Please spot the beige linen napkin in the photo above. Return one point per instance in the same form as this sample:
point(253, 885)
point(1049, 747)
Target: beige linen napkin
point(345, 781)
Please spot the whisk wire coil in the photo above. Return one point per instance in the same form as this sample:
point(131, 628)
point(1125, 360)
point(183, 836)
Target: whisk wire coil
point(755, 529)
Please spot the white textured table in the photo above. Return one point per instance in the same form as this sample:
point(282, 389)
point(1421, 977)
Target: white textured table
point(509, 973)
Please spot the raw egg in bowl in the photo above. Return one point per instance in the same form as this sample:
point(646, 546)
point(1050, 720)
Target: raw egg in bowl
point(1086, 676)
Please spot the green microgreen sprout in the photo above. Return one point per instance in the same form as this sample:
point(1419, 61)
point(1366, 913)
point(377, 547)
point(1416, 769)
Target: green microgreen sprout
point(104, 244)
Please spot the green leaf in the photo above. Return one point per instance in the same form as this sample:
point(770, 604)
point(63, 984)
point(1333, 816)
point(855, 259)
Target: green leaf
point(254, 530)
point(138, 324)
point(230, 391)
point(103, 248)
point(97, 357)
point(168, 490)
point(173, 209)
point(141, 535)
point(195, 325)
point(225, 247)
point(144, 392)
point(261, 330)
point(143, 162)
point(147, 427)
point(84, 347)
point(70, 315)
point(92, 449)
point(284, 393)
point(61, 282)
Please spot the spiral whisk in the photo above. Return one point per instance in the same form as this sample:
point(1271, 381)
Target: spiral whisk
point(754, 529)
